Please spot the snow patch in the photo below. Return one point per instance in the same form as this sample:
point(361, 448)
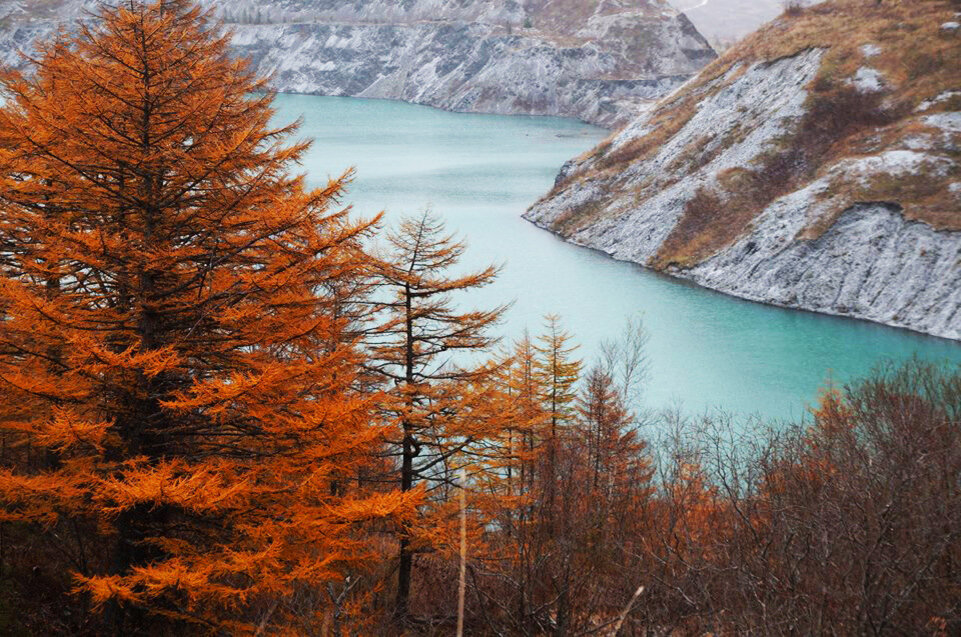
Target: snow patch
point(871, 263)
point(450, 54)
point(941, 97)
point(870, 50)
point(895, 162)
point(950, 121)
point(868, 80)
point(737, 119)
point(918, 142)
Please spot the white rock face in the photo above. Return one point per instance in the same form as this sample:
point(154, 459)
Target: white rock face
point(870, 262)
point(599, 65)
point(461, 67)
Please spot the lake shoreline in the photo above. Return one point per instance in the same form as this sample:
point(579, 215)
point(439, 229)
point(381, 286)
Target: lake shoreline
point(677, 276)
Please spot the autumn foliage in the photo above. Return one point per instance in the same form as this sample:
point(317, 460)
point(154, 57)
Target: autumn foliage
point(445, 411)
point(179, 418)
point(229, 407)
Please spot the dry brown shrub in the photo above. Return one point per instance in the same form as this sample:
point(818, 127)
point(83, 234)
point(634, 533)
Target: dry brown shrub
point(704, 216)
point(793, 8)
point(667, 123)
point(573, 219)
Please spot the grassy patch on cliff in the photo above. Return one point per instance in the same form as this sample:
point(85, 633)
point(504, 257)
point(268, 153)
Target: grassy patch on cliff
point(834, 112)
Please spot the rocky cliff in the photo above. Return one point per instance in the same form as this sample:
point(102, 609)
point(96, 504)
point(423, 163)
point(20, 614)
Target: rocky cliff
point(816, 165)
point(597, 60)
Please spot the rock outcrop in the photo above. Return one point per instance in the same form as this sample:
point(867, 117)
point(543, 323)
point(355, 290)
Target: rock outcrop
point(817, 165)
point(597, 60)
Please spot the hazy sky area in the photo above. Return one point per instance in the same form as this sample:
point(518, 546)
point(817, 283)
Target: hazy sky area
point(726, 21)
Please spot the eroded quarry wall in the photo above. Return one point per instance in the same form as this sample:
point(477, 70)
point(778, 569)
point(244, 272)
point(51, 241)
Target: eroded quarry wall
point(596, 60)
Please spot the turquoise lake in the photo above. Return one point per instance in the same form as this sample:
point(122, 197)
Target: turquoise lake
point(481, 172)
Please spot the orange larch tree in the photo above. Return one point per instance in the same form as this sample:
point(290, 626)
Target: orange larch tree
point(559, 373)
point(517, 451)
point(576, 490)
point(516, 553)
point(614, 451)
point(180, 423)
point(443, 399)
point(608, 502)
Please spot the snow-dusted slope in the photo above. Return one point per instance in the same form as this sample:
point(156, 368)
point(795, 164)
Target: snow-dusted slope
point(816, 166)
point(597, 60)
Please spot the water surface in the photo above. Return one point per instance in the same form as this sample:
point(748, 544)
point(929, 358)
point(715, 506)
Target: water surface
point(481, 172)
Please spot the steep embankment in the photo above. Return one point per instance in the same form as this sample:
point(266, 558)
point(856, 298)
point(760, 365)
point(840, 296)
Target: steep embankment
point(817, 165)
point(596, 60)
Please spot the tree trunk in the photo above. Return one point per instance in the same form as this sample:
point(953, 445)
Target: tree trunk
point(406, 558)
